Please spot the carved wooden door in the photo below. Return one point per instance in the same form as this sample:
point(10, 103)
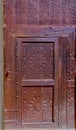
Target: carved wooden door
point(37, 81)
point(39, 66)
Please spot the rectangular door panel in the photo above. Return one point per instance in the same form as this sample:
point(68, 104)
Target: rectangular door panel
point(37, 105)
point(37, 81)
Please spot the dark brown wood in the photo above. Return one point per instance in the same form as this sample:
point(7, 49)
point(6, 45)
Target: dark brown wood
point(39, 63)
point(47, 12)
point(36, 62)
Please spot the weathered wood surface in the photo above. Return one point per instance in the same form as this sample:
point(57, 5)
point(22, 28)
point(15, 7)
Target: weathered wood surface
point(44, 79)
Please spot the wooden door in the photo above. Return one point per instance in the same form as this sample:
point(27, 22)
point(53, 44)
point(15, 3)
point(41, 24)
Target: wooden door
point(37, 82)
point(39, 66)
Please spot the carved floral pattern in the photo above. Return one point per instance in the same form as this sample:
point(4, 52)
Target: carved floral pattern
point(37, 61)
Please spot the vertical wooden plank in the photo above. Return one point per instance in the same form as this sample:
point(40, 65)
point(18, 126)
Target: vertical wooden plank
point(18, 12)
point(32, 11)
point(64, 78)
point(55, 12)
point(23, 11)
point(60, 79)
point(65, 14)
point(44, 12)
point(18, 81)
point(72, 12)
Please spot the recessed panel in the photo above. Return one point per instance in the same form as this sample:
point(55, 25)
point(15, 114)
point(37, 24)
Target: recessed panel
point(37, 60)
point(37, 104)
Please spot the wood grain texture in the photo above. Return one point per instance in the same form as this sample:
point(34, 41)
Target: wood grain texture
point(46, 12)
point(43, 69)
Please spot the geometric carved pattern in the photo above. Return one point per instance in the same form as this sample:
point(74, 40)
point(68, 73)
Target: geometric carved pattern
point(37, 60)
point(37, 104)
